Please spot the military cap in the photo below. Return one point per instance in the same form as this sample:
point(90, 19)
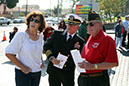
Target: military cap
point(93, 16)
point(118, 17)
point(73, 19)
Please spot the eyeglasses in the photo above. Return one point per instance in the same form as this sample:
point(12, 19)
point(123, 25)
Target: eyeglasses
point(91, 24)
point(35, 20)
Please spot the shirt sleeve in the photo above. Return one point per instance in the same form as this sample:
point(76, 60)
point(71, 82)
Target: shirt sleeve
point(42, 41)
point(47, 48)
point(16, 43)
point(109, 51)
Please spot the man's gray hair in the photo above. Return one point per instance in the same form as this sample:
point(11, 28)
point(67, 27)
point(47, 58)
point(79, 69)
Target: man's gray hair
point(98, 20)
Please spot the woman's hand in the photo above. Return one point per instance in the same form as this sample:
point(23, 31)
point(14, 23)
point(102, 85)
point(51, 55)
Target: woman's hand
point(26, 70)
point(15, 61)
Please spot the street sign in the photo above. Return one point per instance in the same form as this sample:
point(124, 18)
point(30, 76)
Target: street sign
point(83, 9)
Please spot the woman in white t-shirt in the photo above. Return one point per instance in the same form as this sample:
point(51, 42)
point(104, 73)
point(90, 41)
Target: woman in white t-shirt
point(28, 46)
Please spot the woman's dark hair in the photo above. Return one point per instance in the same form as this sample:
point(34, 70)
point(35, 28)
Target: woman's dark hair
point(119, 21)
point(60, 25)
point(42, 19)
point(118, 17)
point(62, 21)
point(15, 28)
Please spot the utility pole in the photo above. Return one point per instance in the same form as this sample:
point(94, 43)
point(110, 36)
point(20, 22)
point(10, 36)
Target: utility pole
point(26, 7)
point(19, 9)
point(58, 10)
point(50, 9)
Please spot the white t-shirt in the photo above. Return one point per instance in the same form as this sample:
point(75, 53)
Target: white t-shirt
point(28, 52)
point(128, 26)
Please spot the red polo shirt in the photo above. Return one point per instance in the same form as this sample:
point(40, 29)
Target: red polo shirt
point(100, 48)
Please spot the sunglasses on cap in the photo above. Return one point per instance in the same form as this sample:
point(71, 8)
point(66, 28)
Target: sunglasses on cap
point(35, 20)
point(91, 23)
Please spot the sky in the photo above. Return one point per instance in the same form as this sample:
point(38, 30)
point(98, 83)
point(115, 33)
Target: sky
point(44, 4)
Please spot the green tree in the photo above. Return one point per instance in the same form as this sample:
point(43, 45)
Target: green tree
point(55, 11)
point(127, 6)
point(61, 4)
point(2, 2)
point(11, 3)
point(73, 4)
point(22, 14)
point(112, 7)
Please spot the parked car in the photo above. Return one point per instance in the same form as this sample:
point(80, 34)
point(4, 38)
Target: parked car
point(19, 20)
point(55, 20)
point(4, 20)
point(48, 19)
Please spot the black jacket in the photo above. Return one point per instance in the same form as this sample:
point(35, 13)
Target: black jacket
point(11, 35)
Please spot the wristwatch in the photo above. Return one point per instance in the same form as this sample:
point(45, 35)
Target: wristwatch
point(96, 66)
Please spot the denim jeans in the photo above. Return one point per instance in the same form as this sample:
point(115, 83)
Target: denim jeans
point(30, 79)
point(119, 41)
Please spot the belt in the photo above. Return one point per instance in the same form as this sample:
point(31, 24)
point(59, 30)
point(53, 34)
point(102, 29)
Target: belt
point(91, 74)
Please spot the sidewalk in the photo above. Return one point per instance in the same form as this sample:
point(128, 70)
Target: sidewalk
point(121, 77)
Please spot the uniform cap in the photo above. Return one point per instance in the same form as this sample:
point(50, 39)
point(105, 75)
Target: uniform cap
point(73, 19)
point(93, 16)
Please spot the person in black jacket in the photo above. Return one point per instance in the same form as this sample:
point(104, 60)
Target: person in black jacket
point(62, 42)
point(11, 34)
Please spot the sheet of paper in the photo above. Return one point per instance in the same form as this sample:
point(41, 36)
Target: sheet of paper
point(77, 59)
point(62, 59)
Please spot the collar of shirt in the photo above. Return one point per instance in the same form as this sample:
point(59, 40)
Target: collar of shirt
point(98, 35)
point(69, 34)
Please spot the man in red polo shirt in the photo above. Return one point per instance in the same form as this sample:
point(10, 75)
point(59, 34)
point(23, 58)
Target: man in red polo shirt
point(48, 32)
point(99, 53)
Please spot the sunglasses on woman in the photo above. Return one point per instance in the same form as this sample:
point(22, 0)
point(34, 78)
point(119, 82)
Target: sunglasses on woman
point(35, 20)
point(91, 23)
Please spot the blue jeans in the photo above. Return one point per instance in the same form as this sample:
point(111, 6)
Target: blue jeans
point(30, 79)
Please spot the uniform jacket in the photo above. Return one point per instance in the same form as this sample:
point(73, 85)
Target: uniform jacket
point(57, 43)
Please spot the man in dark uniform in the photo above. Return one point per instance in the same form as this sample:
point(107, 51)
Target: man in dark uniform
point(99, 53)
point(62, 42)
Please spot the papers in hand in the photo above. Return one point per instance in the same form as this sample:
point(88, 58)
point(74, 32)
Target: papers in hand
point(77, 59)
point(62, 59)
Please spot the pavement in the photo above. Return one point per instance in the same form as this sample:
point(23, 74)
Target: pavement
point(120, 78)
